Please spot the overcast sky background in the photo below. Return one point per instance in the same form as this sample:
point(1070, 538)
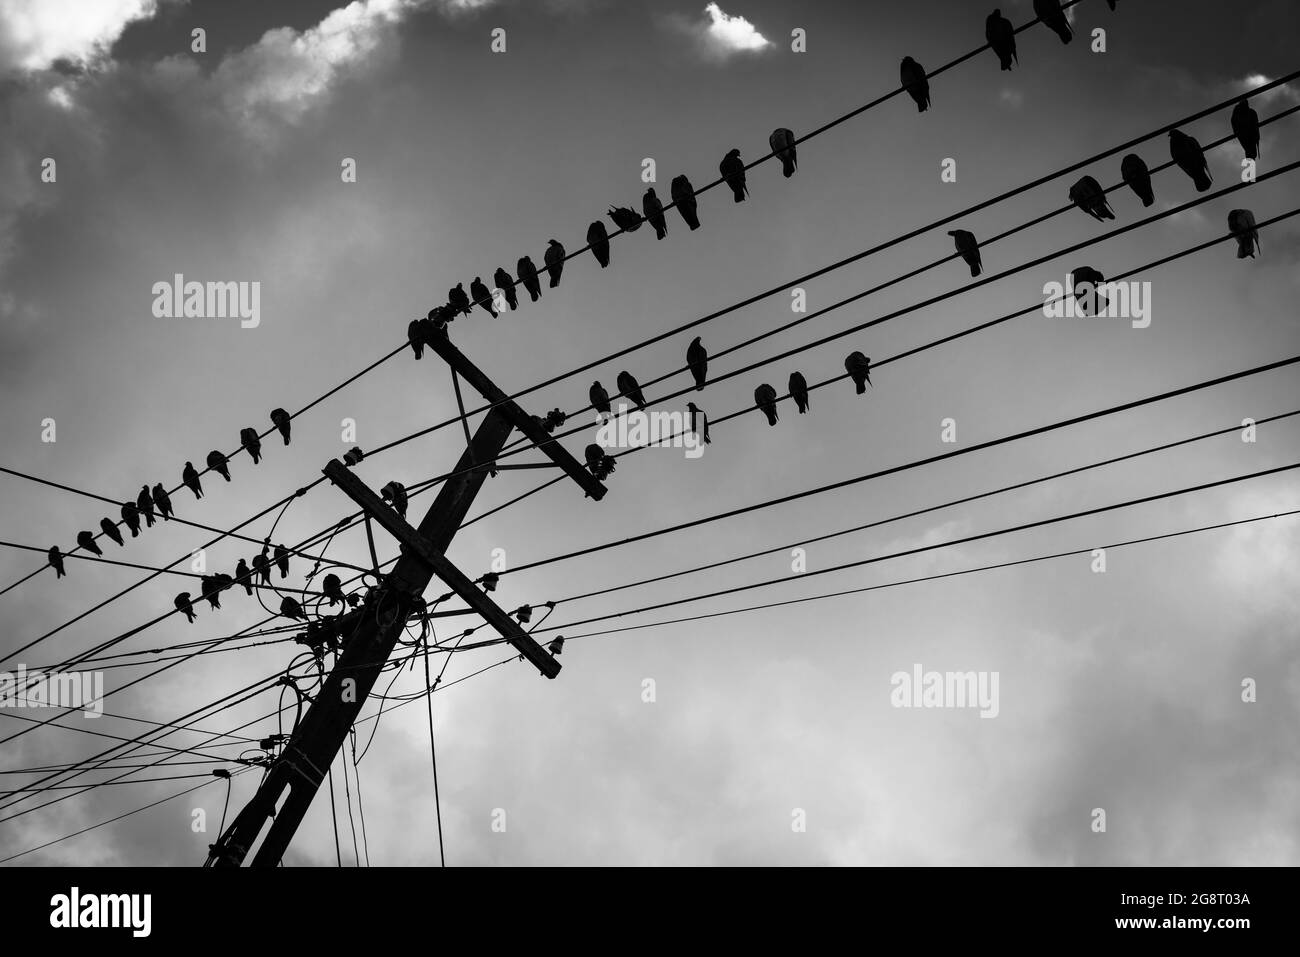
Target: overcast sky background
point(1119, 691)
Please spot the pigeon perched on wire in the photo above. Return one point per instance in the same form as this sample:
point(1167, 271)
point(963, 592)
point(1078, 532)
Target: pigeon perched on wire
point(163, 501)
point(654, 213)
point(599, 398)
point(628, 386)
point(1187, 153)
point(332, 588)
point(56, 561)
point(1088, 195)
point(625, 219)
point(1086, 282)
point(110, 529)
point(131, 516)
point(244, 575)
point(699, 421)
point(280, 419)
point(1241, 223)
point(507, 285)
point(290, 608)
point(144, 503)
point(224, 581)
point(914, 81)
point(858, 367)
point(528, 276)
point(683, 194)
point(183, 605)
point(765, 399)
point(415, 336)
point(218, 463)
point(1001, 36)
point(1138, 178)
point(1053, 17)
point(88, 543)
point(783, 145)
point(554, 258)
point(1245, 126)
point(395, 494)
point(598, 240)
point(190, 476)
point(697, 357)
point(969, 249)
point(282, 560)
point(732, 169)
point(799, 391)
point(483, 296)
point(250, 440)
point(211, 590)
point(262, 566)
point(599, 463)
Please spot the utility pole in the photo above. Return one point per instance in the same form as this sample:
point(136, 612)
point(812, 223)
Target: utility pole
point(310, 751)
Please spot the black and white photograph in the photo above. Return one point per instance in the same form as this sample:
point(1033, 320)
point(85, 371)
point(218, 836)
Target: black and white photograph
point(642, 434)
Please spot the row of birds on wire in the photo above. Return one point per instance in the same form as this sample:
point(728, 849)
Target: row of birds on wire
point(150, 501)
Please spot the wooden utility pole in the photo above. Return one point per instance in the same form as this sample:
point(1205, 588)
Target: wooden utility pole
point(310, 751)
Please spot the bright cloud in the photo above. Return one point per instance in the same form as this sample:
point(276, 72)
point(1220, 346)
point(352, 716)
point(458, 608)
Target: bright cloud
point(36, 33)
point(728, 34)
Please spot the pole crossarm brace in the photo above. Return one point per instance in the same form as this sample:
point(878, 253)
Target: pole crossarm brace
point(517, 417)
point(455, 579)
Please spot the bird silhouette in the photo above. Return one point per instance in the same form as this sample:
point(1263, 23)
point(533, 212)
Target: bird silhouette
point(211, 590)
point(699, 418)
point(163, 501)
point(435, 322)
point(765, 399)
point(395, 493)
point(191, 479)
point(1088, 195)
point(598, 240)
point(262, 566)
point(858, 367)
point(683, 194)
point(244, 575)
point(969, 248)
point(627, 386)
point(1086, 281)
point(1138, 177)
point(223, 581)
point(88, 543)
point(415, 336)
point(145, 505)
point(1245, 126)
point(600, 464)
point(507, 286)
point(1241, 223)
point(913, 78)
point(624, 218)
point(1187, 153)
point(697, 357)
point(528, 276)
point(217, 462)
point(799, 391)
point(483, 296)
point(554, 258)
point(281, 420)
point(56, 561)
point(289, 608)
point(654, 213)
point(182, 603)
point(332, 588)
point(110, 529)
point(282, 560)
point(599, 398)
point(782, 143)
point(1053, 17)
point(250, 440)
point(458, 299)
point(131, 516)
point(733, 171)
point(1001, 36)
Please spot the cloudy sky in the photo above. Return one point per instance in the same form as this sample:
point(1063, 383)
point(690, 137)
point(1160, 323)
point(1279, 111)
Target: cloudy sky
point(1119, 691)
